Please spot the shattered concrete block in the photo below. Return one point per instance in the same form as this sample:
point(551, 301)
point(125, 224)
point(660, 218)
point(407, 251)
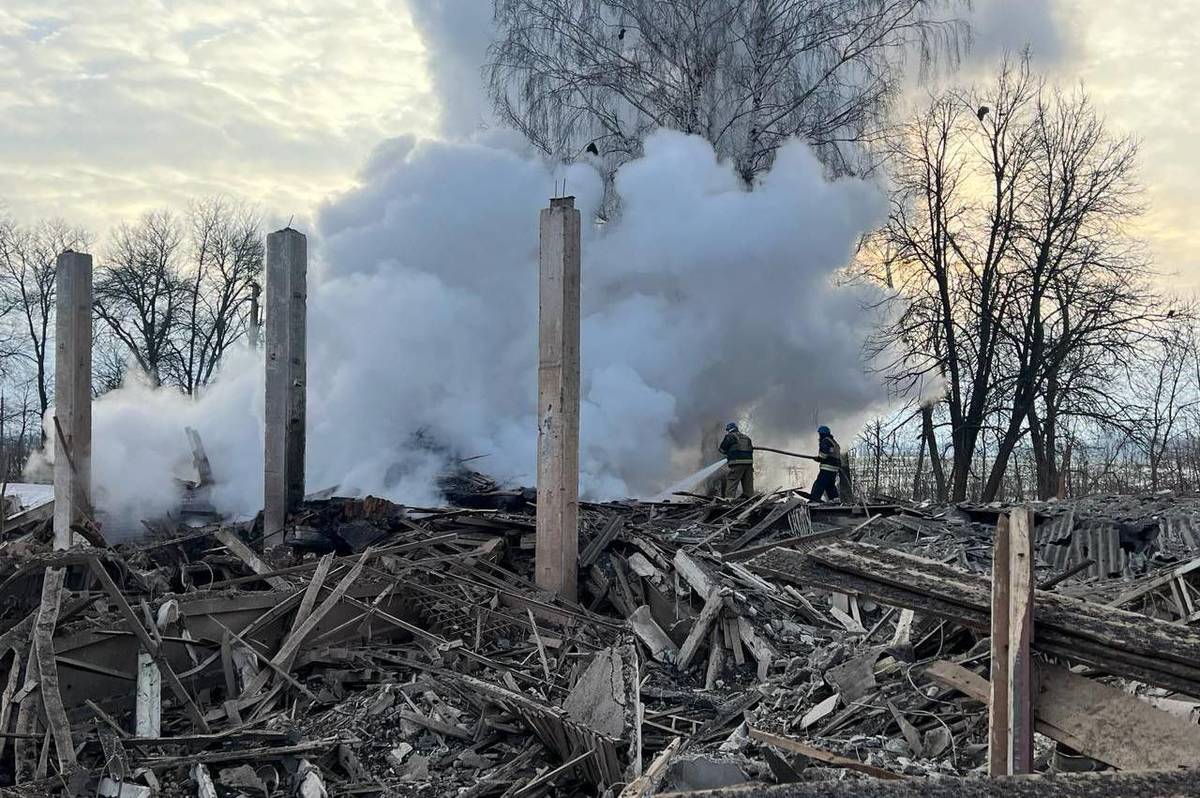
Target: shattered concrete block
point(396, 756)
point(662, 648)
point(855, 677)
point(820, 711)
point(702, 773)
point(603, 698)
point(111, 789)
point(937, 740)
point(311, 782)
point(244, 779)
point(417, 768)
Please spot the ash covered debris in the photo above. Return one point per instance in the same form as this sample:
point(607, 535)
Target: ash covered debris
point(717, 644)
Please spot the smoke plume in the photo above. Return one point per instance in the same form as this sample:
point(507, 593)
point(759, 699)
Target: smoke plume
point(701, 302)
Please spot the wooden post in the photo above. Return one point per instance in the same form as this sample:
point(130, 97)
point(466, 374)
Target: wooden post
point(558, 399)
point(1010, 721)
point(287, 266)
point(998, 708)
point(1021, 682)
point(72, 395)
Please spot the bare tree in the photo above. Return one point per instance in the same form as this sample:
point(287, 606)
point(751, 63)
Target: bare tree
point(959, 176)
point(139, 294)
point(745, 74)
point(223, 261)
point(1164, 383)
point(28, 259)
point(1013, 275)
point(1081, 284)
point(110, 361)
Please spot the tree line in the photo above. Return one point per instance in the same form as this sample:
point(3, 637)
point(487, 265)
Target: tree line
point(172, 293)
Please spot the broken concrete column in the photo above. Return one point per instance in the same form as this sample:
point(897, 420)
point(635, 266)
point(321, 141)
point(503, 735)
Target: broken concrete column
point(72, 395)
point(283, 490)
point(557, 560)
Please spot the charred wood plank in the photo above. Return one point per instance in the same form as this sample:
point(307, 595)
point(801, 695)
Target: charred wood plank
point(1124, 643)
point(1175, 784)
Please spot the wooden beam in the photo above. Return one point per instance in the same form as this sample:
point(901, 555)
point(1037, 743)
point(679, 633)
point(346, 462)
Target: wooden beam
point(820, 755)
point(699, 630)
point(557, 555)
point(237, 548)
point(1108, 724)
point(72, 395)
point(1174, 784)
point(286, 379)
point(43, 639)
point(291, 645)
point(1097, 720)
point(644, 783)
point(998, 725)
point(1122, 643)
point(778, 511)
point(1020, 635)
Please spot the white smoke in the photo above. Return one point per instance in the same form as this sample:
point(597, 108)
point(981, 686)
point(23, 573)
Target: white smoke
point(932, 390)
point(702, 300)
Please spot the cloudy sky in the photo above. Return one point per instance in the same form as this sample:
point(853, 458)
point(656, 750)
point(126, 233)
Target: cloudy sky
point(112, 107)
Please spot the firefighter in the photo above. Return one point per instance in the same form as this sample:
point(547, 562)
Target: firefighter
point(829, 456)
point(739, 457)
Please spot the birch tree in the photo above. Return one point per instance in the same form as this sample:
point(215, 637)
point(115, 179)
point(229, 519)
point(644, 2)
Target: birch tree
point(598, 76)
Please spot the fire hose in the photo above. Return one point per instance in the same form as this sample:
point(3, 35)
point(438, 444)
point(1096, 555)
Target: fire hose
point(789, 454)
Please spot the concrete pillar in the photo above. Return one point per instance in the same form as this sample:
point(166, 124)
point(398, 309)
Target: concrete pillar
point(72, 395)
point(558, 399)
point(287, 267)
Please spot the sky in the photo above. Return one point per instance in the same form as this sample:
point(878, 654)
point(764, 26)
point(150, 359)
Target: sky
point(114, 107)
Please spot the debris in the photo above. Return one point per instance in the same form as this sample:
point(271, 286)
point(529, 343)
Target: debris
point(1125, 643)
point(1093, 718)
point(109, 788)
point(660, 644)
point(406, 650)
point(395, 757)
point(243, 778)
point(797, 747)
point(605, 697)
point(702, 773)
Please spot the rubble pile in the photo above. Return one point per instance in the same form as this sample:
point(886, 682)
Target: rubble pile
point(715, 644)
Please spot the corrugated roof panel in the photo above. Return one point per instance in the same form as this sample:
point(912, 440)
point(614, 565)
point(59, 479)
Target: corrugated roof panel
point(1056, 529)
point(1179, 534)
point(1096, 540)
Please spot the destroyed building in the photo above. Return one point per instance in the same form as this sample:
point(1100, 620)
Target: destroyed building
point(715, 644)
point(522, 642)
